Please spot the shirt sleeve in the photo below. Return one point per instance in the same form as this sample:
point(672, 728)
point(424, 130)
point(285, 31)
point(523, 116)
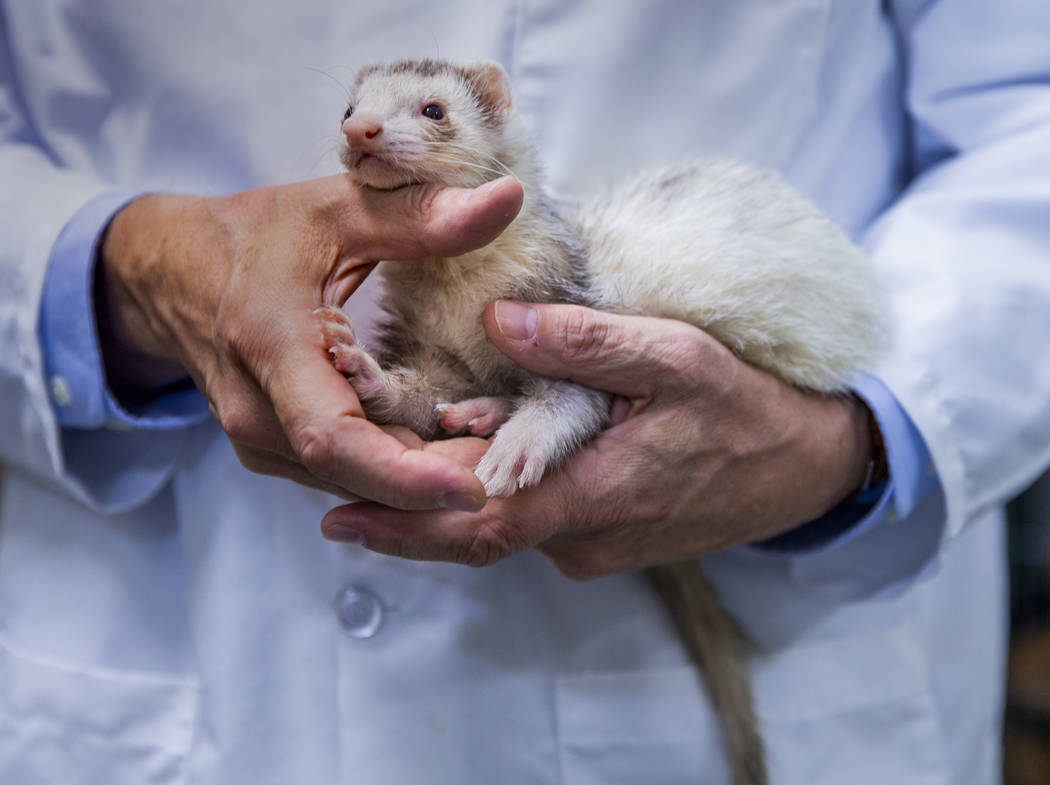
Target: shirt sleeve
point(69, 337)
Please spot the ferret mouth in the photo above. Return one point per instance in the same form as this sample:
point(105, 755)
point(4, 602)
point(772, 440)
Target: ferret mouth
point(375, 170)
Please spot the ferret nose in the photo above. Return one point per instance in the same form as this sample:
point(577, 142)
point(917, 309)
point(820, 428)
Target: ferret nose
point(361, 129)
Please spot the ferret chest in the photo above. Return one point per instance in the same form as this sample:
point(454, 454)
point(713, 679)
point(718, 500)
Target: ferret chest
point(442, 311)
point(439, 302)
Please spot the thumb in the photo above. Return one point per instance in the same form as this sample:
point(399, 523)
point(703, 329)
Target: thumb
point(431, 220)
point(626, 355)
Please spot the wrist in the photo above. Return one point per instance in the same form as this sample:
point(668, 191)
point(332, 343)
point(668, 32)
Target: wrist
point(877, 469)
point(138, 359)
point(817, 457)
point(848, 452)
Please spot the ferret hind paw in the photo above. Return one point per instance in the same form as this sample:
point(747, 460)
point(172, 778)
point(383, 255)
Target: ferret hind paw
point(335, 327)
point(351, 361)
point(476, 416)
point(340, 343)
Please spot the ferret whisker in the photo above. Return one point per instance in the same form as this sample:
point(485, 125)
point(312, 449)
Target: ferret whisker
point(473, 165)
point(322, 72)
point(473, 151)
point(502, 171)
point(330, 150)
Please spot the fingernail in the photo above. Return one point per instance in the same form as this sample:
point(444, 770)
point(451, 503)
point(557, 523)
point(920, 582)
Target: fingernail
point(463, 502)
point(482, 191)
point(516, 321)
point(340, 533)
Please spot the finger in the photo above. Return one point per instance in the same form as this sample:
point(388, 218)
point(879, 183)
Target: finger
point(427, 220)
point(474, 539)
point(322, 419)
point(272, 465)
point(247, 416)
point(627, 355)
point(464, 450)
point(405, 436)
point(504, 527)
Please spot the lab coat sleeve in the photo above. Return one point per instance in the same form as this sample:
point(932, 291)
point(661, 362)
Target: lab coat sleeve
point(965, 252)
point(107, 470)
point(966, 249)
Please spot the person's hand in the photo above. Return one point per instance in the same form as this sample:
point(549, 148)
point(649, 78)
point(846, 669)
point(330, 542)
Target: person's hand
point(224, 288)
point(704, 452)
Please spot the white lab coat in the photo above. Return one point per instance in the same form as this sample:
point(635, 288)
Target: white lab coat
point(167, 617)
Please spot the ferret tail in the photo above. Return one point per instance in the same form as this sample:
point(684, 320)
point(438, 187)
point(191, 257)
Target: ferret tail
point(716, 644)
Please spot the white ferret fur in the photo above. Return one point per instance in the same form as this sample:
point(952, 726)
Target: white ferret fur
point(724, 246)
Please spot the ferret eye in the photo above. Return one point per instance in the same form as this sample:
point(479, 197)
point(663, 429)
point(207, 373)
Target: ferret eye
point(434, 112)
point(349, 111)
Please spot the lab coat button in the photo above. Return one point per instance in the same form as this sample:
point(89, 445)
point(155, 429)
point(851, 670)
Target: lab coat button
point(60, 391)
point(360, 612)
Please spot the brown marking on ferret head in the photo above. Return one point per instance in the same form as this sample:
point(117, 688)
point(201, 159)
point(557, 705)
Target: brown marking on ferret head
point(416, 121)
point(491, 87)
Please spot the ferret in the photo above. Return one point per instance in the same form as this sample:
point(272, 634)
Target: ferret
point(721, 245)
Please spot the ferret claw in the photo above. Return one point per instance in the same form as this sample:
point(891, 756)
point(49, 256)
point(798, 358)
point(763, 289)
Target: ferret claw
point(509, 465)
point(334, 325)
point(348, 356)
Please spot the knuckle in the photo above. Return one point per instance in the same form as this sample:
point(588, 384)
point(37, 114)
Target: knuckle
point(436, 230)
point(315, 447)
point(418, 203)
point(394, 546)
point(489, 543)
point(584, 334)
point(235, 338)
point(581, 564)
point(237, 421)
point(595, 551)
point(421, 200)
point(685, 353)
point(250, 460)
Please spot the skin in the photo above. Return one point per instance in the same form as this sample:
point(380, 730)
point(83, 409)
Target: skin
point(223, 289)
point(705, 452)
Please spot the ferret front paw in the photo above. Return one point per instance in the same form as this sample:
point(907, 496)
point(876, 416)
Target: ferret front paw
point(515, 459)
point(476, 416)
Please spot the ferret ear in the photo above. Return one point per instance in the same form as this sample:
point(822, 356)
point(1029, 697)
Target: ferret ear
point(492, 85)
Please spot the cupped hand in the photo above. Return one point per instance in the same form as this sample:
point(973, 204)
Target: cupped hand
point(704, 452)
point(224, 288)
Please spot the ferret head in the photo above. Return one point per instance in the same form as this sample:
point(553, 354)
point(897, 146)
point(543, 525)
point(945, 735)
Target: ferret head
point(427, 121)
